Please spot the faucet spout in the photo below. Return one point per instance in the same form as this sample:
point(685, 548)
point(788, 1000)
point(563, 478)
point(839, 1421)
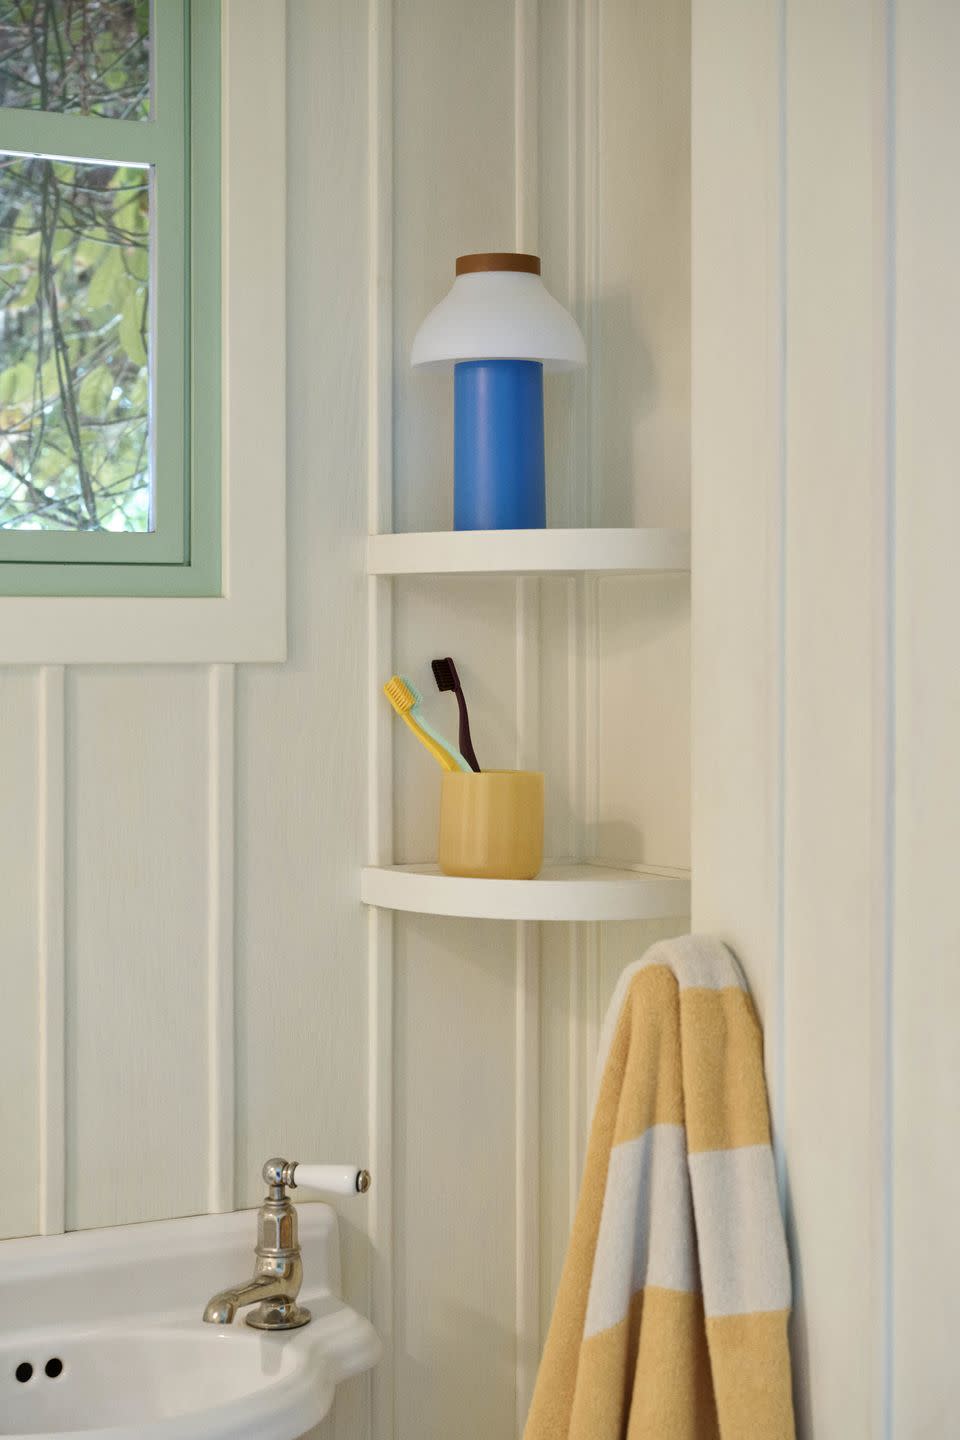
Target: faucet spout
point(272, 1292)
point(222, 1308)
point(278, 1274)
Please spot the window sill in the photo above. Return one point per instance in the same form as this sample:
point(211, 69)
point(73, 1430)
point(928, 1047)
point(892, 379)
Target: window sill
point(91, 630)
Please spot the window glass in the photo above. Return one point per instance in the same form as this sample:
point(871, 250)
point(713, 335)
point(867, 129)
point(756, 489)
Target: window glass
point(83, 57)
point(74, 340)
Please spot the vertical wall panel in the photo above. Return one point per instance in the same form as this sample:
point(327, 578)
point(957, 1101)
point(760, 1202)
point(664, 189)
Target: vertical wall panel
point(788, 620)
point(834, 709)
point(641, 353)
point(926, 981)
point(454, 87)
point(51, 946)
point(454, 117)
point(643, 739)
point(615, 206)
point(737, 286)
point(301, 936)
point(736, 412)
point(453, 123)
point(380, 723)
point(20, 1118)
point(555, 1081)
point(555, 665)
point(136, 954)
point(637, 268)
point(455, 1185)
point(438, 142)
point(221, 976)
point(559, 244)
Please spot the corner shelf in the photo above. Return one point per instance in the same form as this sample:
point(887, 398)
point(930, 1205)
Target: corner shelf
point(528, 552)
point(564, 890)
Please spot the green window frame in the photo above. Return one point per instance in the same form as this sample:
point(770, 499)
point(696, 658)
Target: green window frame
point(180, 142)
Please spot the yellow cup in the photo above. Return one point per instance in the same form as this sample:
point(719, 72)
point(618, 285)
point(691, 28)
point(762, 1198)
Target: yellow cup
point(491, 824)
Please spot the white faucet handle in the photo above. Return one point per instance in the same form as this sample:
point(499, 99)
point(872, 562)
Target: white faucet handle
point(330, 1179)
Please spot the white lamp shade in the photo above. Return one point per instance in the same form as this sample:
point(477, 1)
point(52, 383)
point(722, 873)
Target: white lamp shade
point(499, 315)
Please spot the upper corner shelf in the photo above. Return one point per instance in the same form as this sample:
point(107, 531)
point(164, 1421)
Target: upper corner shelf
point(528, 552)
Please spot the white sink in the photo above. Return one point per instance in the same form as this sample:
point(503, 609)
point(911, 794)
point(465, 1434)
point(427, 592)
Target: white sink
point(114, 1317)
point(169, 1385)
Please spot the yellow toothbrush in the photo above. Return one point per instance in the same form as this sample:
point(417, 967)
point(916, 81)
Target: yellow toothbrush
point(405, 699)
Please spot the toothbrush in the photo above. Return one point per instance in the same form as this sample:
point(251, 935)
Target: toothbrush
point(406, 700)
point(445, 674)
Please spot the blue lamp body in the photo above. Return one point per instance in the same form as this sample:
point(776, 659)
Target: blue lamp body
point(498, 465)
point(500, 328)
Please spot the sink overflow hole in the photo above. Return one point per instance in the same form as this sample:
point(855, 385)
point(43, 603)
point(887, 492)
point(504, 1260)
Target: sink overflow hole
point(53, 1368)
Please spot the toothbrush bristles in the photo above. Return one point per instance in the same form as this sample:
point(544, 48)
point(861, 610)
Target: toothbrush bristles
point(402, 695)
point(443, 673)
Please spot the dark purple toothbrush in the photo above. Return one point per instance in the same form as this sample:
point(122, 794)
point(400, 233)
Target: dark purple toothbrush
point(445, 674)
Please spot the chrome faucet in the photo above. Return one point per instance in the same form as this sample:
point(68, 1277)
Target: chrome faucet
point(278, 1274)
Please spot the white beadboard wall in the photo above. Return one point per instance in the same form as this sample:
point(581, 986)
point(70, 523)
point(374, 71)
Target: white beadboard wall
point(190, 981)
point(826, 316)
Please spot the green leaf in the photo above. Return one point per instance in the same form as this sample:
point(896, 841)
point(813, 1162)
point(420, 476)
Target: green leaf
point(130, 336)
point(90, 250)
point(48, 377)
point(27, 296)
point(138, 262)
point(109, 282)
point(95, 392)
point(26, 245)
point(137, 391)
point(16, 384)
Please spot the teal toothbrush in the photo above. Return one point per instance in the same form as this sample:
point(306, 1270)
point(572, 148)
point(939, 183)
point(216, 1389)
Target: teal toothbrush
point(409, 705)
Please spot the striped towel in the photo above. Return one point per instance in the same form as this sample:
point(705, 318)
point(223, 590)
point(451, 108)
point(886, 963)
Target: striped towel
point(671, 1318)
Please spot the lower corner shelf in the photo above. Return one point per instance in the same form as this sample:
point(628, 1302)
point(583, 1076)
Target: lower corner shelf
point(564, 890)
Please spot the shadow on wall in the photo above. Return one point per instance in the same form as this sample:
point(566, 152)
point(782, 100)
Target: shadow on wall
point(799, 1338)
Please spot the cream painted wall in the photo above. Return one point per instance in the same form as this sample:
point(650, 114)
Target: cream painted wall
point(194, 834)
point(826, 207)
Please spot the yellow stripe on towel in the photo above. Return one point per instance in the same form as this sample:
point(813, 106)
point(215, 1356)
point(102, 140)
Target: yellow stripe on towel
point(670, 1319)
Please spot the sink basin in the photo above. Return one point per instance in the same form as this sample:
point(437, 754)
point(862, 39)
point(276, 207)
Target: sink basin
point(101, 1336)
point(166, 1384)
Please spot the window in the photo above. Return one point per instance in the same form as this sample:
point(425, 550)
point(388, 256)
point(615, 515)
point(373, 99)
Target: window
point(158, 610)
point(109, 297)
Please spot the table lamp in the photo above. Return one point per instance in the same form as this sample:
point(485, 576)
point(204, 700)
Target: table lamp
point(500, 328)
